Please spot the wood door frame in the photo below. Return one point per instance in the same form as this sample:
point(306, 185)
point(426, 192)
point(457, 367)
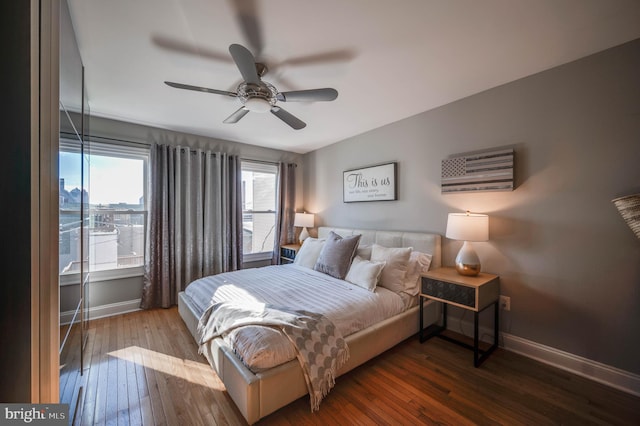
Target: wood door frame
point(45, 294)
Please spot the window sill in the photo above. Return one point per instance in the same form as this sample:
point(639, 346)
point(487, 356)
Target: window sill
point(104, 275)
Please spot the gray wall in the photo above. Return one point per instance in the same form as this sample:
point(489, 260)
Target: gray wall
point(103, 292)
point(114, 291)
point(566, 258)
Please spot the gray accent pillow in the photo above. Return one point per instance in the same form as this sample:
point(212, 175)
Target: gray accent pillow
point(337, 254)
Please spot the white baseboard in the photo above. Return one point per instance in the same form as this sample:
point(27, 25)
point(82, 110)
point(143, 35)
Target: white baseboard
point(103, 311)
point(596, 371)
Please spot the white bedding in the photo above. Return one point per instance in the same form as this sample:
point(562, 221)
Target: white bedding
point(349, 307)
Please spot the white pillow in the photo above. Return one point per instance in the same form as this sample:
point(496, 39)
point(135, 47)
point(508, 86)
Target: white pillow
point(364, 273)
point(418, 264)
point(364, 251)
point(395, 270)
point(308, 254)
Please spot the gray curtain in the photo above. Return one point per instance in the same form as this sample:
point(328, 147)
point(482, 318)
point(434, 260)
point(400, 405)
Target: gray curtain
point(195, 220)
point(286, 202)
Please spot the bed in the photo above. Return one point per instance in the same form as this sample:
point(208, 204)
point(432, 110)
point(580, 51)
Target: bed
point(260, 392)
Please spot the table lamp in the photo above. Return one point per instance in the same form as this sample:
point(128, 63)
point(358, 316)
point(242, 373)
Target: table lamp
point(468, 227)
point(304, 220)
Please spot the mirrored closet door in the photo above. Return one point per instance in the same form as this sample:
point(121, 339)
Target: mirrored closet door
point(73, 217)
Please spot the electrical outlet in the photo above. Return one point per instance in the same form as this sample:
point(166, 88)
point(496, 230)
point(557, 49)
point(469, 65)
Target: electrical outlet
point(505, 303)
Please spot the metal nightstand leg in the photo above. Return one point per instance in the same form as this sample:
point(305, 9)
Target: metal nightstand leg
point(433, 329)
point(479, 356)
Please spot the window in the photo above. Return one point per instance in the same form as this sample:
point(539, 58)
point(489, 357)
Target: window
point(114, 207)
point(259, 189)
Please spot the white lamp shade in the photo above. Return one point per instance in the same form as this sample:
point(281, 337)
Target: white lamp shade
point(468, 227)
point(304, 220)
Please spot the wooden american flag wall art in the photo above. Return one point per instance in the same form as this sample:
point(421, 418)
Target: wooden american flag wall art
point(484, 171)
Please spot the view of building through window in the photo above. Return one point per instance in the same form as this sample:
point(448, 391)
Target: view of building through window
point(115, 216)
point(259, 186)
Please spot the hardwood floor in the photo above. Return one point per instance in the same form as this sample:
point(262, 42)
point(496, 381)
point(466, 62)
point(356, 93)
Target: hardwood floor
point(145, 369)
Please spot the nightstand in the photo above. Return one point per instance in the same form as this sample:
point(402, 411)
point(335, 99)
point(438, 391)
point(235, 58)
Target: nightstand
point(473, 293)
point(288, 253)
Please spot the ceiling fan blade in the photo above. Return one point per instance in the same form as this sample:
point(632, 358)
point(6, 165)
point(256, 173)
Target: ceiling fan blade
point(246, 63)
point(342, 55)
point(308, 95)
point(291, 120)
point(247, 15)
point(200, 89)
point(236, 116)
point(188, 48)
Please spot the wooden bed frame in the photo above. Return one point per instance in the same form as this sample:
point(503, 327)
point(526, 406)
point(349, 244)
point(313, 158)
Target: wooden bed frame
point(258, 395)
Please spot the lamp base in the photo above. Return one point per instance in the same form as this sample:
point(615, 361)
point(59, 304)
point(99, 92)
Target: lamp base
point(304, 234)
point(467, 261)
point(468, 270)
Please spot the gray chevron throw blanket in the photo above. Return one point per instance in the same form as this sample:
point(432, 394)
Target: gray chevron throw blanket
point(320, 348)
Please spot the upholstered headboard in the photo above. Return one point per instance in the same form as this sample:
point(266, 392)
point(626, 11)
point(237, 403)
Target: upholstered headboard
point(420, 241)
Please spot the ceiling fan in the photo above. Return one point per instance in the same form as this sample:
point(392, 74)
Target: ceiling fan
point(257, 95)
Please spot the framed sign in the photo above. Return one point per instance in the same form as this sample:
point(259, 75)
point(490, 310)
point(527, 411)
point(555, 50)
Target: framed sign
point(374, 183)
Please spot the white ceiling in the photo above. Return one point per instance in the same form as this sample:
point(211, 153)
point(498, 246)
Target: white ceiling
point(388, 59)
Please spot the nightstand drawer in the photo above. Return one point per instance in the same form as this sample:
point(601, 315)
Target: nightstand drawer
point(288, 253)
point(450, 292)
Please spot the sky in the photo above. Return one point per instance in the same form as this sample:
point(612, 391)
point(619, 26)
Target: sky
point(111, 180)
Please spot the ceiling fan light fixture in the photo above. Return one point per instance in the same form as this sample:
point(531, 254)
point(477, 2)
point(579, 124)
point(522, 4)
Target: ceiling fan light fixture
point(260, 105)
point(257, 97)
